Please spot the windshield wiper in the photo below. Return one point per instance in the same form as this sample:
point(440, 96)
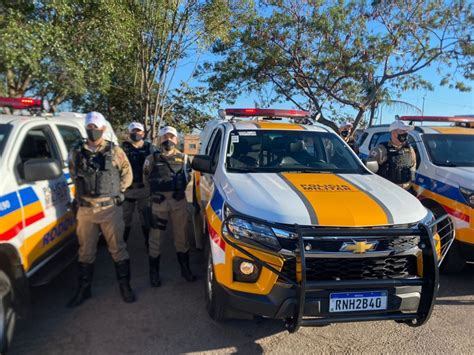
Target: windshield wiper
point(243, 170)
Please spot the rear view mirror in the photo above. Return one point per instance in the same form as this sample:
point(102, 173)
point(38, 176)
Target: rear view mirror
point(41, 169)
point(372, 165)
point(203, 164)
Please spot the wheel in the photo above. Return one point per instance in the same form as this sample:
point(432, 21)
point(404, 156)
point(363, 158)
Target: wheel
point(215, 299)
point(454, 261)
point(7, 312)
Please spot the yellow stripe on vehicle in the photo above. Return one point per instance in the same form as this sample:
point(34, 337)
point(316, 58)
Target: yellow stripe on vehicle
point(283, 126)
point(337, 202)
point(46, 239)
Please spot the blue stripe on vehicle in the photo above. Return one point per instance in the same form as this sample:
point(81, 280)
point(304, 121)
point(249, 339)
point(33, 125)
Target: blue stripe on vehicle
point(9, 203)
point(441, 188)
point(28, 196)
point(363, 156)
point(217, 203)
point(67, 176)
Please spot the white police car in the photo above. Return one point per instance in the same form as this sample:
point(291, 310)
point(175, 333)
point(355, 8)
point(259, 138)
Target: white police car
point(37, 223)
point(300, 230)
point(444, 180)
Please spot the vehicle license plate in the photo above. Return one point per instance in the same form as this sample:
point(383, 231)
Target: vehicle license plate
point(357, 301)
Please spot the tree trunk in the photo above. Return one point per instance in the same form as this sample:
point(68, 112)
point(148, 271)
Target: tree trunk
point(373, 107)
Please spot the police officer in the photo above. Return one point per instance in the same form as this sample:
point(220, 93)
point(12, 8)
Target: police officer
point(136, 195)
point(167, 173)
point(101, 173)
point(396, 158)
point(345, 133)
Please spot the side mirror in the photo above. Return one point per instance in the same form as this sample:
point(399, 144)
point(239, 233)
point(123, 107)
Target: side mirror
point(372, 165)
point(41, 169)
point(203, 164)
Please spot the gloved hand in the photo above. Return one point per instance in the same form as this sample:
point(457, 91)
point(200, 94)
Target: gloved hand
point(158, 198)
point(179, 195)
point(119, 199)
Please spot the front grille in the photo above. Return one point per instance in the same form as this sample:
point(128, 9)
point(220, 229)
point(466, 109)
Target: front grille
point(396, 244)
point(318, 269)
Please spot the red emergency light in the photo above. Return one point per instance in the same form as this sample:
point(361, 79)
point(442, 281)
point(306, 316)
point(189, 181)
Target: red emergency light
point(264, 112)
point(20, 103)
point(463, 119)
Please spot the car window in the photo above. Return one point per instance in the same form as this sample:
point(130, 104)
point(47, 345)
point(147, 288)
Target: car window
point(378, 138)
point(216, 148)
point(37, 144)
point(284, 151)
point(361, 139)
point(4, 132)
point(211, 140)
point(450, 149)
point(412, 142)
point(71, 136)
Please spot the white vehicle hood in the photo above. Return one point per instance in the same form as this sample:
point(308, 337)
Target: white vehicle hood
point(345, 200)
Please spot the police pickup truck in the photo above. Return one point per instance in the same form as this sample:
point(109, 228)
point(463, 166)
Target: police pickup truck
point(37, 223)
point(300, 230)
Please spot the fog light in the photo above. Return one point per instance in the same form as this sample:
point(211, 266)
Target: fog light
point(247, 268)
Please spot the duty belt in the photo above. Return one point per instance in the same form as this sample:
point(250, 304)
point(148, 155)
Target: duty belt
point(84, 203)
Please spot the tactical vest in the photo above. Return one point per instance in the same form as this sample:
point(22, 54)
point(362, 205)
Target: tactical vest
point(137, 157)
point(96, 175)
point(168, 173)
point(398, 166)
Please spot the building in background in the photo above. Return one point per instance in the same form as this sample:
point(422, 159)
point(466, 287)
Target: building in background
point(191, 144)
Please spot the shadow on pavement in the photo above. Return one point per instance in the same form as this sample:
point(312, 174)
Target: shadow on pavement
point(170, 319)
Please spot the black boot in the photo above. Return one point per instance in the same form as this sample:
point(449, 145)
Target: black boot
point(183, 259)
point(154, 271)
point(126, 233)
point(83, 291)
point(123, 276)
point(146, 235)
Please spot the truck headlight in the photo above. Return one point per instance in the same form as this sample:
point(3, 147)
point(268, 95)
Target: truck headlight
point(251, 232)
point(468, 195)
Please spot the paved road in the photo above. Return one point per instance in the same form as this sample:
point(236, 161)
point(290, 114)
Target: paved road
point(172, 319)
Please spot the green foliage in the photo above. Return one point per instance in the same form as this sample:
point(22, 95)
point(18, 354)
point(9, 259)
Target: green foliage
point(321, 54)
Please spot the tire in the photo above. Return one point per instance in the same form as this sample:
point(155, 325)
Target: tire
point(215, 298)
point(7, 312)
point(454, 261)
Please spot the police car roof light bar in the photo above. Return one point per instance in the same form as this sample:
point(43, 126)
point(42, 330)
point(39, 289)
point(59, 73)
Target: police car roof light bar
point(259, 112)
point(20, 103)
point(465, 119)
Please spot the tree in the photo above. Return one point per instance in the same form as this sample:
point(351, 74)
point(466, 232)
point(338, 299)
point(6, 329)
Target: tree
point(325, 56)
point(168, 35)
point(59, 49)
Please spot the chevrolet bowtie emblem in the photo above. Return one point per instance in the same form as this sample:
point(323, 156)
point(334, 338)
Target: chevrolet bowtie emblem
point(359, 247)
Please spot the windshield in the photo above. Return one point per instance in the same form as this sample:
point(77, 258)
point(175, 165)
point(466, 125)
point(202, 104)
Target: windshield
point(4, 131)
point(281, 151)
point(450, 149)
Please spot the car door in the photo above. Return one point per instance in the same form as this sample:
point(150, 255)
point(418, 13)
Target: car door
point(47, 219)
point(207, 180)
point(69, 136)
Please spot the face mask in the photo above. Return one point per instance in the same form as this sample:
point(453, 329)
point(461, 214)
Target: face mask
point(402, 137)
point(344, 133)
point(135, 137)
point(94, 134)
point(168, 145)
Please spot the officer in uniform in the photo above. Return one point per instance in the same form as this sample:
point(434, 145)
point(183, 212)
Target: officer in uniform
point(101, 173)
point(167, 173)
point(136, 195)
point(396, 158)
point(345, 133)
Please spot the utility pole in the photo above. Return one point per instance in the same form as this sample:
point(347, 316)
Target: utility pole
point(423, 107)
